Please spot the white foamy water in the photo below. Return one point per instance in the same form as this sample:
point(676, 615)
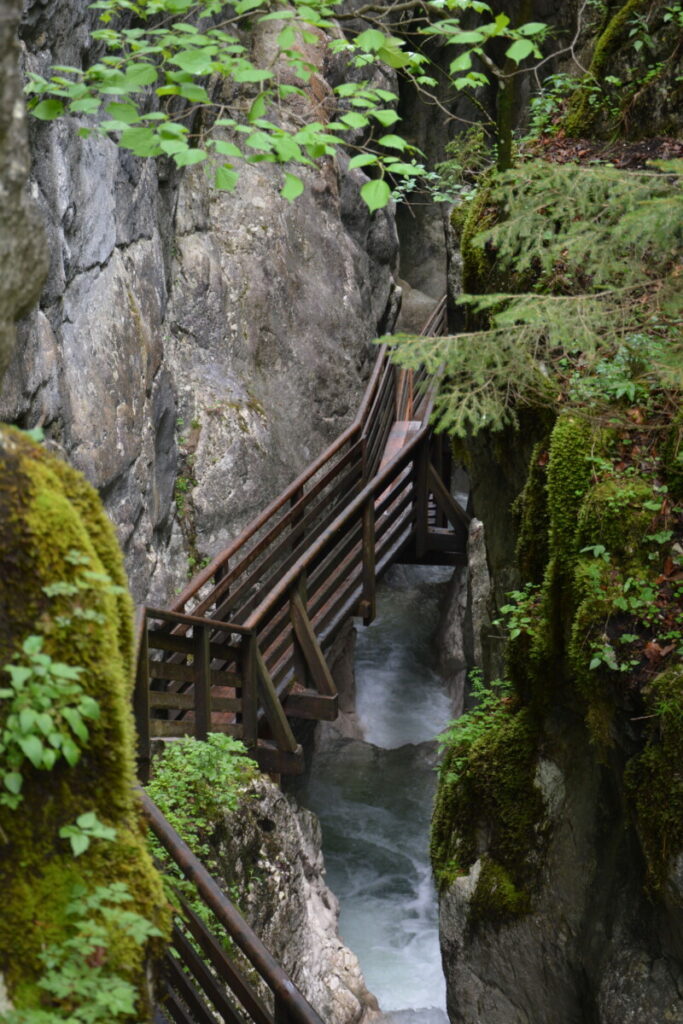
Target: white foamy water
point(374, 799)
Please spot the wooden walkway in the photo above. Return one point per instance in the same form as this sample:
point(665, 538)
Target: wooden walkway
point(242, 649)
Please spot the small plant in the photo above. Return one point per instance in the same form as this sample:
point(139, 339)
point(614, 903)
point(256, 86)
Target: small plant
point(518, 614)
point(46, 719)
point(87, 827)
point(84, 985)
point(492, 701)
point(196, 781)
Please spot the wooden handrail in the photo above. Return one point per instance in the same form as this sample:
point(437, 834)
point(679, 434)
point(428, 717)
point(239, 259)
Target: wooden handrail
point(351, 511)
point(290, 1005)
point(278, 503)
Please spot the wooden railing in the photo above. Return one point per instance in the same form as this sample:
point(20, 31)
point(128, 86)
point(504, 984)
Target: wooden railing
point(241, 650)
point(200, 983)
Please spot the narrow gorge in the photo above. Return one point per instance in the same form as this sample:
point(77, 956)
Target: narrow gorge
point(188, 304)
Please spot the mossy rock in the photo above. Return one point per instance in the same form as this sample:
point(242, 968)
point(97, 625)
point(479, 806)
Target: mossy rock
point(487, 798)
point(612, 514)
point(654, 778)
point(568, 481)
point(53, 530)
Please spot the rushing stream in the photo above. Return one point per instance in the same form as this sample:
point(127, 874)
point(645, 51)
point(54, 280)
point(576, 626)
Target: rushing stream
point(374, 800)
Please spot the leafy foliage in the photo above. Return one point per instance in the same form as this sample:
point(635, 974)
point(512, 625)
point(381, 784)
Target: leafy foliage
point(596, 254)
point(178, 78)
point(47, 713)
point(84, 986)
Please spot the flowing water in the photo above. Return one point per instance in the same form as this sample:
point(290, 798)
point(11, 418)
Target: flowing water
point(374, 800)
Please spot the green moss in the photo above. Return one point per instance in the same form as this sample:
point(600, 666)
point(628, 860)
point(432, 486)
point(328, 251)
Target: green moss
point(487, 789)
point(568, 480)
point(613, 515)
point(582, 114)
point(48, 510)
point(654, 778)
point(496, 897)
point(478, 264)
point(531, 510)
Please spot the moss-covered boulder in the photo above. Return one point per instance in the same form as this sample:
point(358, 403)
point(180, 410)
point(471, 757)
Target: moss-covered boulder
point(63, 583)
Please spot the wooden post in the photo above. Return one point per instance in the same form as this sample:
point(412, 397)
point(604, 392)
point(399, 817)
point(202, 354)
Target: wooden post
point(141, 710)
point(421, 499)
point(249, 691)
point(301, 669)
point(307, 640)
point(296, 497)
point(202, 682)
point(367, 601)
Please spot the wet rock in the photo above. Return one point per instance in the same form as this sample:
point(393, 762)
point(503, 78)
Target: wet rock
point(270, 848)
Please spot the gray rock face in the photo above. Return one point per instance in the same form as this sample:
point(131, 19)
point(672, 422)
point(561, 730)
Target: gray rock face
point(22, 255)
point(271, 848)
point(189, 344)
point(592, 948)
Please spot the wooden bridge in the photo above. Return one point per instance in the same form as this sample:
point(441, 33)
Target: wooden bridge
point(242, 649)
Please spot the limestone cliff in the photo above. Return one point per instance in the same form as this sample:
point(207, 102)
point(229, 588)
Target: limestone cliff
point(192, 350)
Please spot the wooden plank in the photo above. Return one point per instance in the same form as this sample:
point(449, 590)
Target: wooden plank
point(311, 705)
point(448, 505)
point(185, 702)
point(421, 499)
point(277, 720)
point(202, 682)
point(279, 762)
point(210, 985)
point(305, 634)
point(227, 971)
point(159, 641)
point(249, 691)
point(162, 729)
point(368, 545)
point(179, 981)
point(141, 703)
point(185, 674)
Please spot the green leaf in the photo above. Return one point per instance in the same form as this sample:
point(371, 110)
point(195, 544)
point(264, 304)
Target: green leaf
point(32, 748)
point(461, 63)
point(225, 178)
point(142, 141)
point(520, 49)
point(376, 194)
point(13, 782)
point(87, 820)
point(70, 751)
point(362, 160)
point(79, 843)
point(78, 727)
point(227, 148)
point(394, 57)
point(139, 75)
point(173, 146)
point(48, 110)
point(532, 28)
point(252, 75)
point(386, 117)
point(197, 62)
point(188, 157)
point(194, 93)
point(355, 120)
point(247, 5)
point(27, 719)
point(88, 105)
point(292, 187)
point(467, 38)
point(393, 142)
point(126, 112)
point(371, 40)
